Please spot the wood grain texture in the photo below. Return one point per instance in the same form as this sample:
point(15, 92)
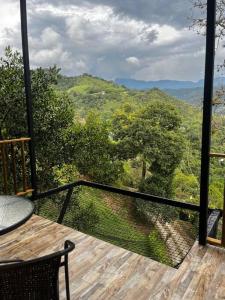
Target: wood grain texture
point(99, 270)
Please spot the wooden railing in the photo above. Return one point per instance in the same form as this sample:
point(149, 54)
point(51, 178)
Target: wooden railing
point(213, 241)
point(14, 160)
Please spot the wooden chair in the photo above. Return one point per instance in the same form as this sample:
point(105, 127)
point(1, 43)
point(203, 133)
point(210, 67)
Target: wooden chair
point(36, 279)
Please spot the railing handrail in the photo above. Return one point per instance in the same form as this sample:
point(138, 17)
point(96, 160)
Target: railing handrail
point(25, 139)
point(214, 154)
point(116, 190)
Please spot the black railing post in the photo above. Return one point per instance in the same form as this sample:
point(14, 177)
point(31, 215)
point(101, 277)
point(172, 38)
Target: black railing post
point(207, 115)
point(27, 83)
point(65, 206)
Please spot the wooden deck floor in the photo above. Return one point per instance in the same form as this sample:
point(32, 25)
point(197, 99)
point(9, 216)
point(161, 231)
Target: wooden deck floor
point(99, 270)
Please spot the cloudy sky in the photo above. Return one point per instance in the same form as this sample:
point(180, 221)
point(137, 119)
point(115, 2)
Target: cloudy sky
point(141, 39)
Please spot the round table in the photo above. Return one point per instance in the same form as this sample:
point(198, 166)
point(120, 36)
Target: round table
point(14, 211)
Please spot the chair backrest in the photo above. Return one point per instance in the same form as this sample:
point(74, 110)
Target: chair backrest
point(34, 279)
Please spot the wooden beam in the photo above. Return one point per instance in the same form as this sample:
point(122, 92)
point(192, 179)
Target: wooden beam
point(222, 155)
point(15, 141)
point(28, 191)
point(214, 242)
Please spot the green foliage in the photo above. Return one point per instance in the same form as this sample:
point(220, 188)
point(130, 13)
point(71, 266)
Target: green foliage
point(93, 151)
point(12, 99)
point(151, 133)
point(81, 215)
point(160, 252)
point(186, 187)
point(53, 113)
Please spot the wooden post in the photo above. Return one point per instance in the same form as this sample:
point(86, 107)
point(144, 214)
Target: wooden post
point(5, 170)
point(24, 167)
point(14, 168)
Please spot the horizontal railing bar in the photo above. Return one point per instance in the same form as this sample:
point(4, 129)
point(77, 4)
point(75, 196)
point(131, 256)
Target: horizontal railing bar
point(14, 140)
point(120, 191)
point(214, 242)
point(217, 155)
point(55, 190)
point(23, 193)
point(143, 196)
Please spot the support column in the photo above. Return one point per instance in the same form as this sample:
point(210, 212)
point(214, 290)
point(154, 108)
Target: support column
point(27, 83)
point(207, 116)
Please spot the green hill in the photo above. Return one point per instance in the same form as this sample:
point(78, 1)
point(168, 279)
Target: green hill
point(89, 93)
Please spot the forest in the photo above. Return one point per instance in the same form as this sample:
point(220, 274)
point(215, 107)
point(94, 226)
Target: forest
point(90, 128)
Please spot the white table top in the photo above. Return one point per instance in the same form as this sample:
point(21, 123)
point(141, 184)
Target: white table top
point(14, 211)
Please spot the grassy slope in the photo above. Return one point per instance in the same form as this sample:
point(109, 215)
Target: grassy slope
point(115, 228)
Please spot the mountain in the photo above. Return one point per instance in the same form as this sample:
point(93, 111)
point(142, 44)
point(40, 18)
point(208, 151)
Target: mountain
point(193, 96)
point(165, 84)
point(189, 91)
point(88, 93)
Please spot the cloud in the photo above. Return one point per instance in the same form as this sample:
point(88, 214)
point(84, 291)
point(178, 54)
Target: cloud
point(173, 12)
point(140, 39)
point(133, 60)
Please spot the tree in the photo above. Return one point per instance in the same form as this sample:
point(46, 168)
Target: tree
point(152, 134)
point(199, 24)
point(53, 113)
point(94, 151)
point(199, 21)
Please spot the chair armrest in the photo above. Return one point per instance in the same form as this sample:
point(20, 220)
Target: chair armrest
point(11, 261)
point(69, 246)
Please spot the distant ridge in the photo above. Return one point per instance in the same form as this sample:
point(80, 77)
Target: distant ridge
point(165, 84)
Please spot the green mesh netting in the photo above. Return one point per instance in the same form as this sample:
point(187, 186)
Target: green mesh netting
point(161, 232)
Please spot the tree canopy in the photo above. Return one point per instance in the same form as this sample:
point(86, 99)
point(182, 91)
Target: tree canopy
point(153, 135)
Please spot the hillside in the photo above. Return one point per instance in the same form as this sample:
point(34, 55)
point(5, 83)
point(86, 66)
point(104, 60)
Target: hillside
point(90, 93)
point(193, 96)
point(106, 96)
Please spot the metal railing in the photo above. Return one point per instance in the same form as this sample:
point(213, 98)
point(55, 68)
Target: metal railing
point(14, 159)
point(173, 225)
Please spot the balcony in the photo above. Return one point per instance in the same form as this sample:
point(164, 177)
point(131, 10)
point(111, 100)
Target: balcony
point(156, 255)
point(100, 270)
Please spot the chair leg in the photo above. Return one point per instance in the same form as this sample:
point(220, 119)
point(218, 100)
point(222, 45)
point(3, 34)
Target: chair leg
point(67, 278)
point(57, 291)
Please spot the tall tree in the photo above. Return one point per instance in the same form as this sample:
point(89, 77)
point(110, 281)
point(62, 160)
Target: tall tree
point(152, 134)
point(53, 112)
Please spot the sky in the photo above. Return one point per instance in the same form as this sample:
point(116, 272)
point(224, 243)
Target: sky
point(139, 39)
